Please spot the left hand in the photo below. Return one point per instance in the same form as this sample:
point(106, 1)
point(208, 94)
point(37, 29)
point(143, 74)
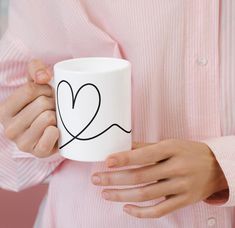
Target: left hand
point(184, 172)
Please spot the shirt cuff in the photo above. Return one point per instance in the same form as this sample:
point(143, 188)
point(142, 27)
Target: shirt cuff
point(223, 149)
point(20, 170)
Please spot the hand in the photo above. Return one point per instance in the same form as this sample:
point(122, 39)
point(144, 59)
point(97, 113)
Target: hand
point(28, 115)
point(183, 172)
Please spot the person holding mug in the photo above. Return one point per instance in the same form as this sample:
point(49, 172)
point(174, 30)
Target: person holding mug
point(180, 171)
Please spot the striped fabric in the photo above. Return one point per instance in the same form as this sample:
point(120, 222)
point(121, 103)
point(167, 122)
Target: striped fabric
point(182, 54)
point(3, 15)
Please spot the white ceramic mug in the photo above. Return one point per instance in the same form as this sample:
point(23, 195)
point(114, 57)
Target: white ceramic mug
point(93, 107)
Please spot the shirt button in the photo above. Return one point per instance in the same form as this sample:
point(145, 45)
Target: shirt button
point(202, 61)
point(211, 221)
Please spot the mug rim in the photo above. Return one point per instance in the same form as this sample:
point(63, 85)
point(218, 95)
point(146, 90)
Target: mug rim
point(66, 65)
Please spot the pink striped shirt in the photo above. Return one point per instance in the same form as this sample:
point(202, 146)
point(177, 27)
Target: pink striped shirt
point(183, 58)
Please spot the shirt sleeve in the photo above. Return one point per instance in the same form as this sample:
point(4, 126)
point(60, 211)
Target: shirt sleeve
point(18, 170)
point(224, 150)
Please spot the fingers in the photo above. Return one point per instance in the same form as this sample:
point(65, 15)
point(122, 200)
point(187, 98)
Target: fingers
point(25, 117)
point(143, 155)
point(46, 144)
point(23, 96)
point(144, 193)
point(39, 72)
point(159, 210)
point(29, 139)
point(135, 176)
point(26, 114)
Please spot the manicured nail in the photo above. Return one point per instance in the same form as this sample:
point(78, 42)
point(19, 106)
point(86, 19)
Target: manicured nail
point(126, 209)
point(105, 195)
point(41, 75)
point(96, 179)
point(111, 162)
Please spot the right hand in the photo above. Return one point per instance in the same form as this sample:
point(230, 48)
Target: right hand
point(28, 115)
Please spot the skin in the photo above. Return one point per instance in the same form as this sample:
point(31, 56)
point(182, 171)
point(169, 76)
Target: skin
point(183, 172)
point(28, 115)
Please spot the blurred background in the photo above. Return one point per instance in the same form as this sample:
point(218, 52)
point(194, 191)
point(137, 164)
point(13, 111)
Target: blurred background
point(18, 210)
point(3, 15)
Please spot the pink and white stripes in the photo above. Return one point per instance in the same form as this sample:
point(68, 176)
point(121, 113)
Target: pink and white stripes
point(183, 59)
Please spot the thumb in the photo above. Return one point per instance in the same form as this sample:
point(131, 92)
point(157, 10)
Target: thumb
point(38, 72)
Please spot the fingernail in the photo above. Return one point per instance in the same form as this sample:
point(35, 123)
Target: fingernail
point(126, 209)
point(96, 179)
point(111, 162)
point(105, 195)
point(41, 75)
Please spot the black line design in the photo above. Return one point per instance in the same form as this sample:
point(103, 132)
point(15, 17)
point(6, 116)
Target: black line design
point(73, 104)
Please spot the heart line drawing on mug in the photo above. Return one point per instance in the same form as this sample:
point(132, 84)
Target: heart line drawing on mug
point(74, 98)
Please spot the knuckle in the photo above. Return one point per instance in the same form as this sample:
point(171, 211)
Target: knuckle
point(164, 142)
point(49, 117)
point(42, 101)
point(22, 145)
point(41, 150)
point(33, 90)
point(54, 131)
point(47, 90)
point(9, 132)
point(172, 141)
point(169, 143)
